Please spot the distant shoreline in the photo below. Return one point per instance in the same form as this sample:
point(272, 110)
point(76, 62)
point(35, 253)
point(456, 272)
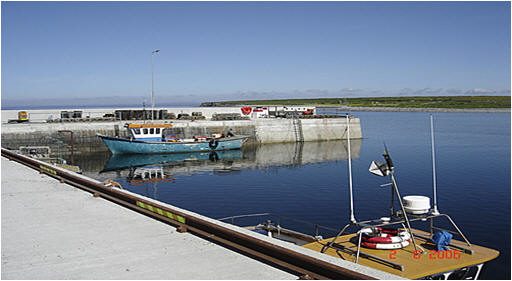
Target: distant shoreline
point(415, 109)
point(324, 107)
point(393, 109)
point(489, 104)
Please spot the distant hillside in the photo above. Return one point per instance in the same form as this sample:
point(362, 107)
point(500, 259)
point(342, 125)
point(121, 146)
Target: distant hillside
point(456, 102)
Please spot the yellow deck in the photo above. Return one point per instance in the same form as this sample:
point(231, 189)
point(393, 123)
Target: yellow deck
point(414, 268)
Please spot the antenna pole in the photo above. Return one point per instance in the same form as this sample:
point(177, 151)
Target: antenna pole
point(389, 162)
point(395, 186)
point(435, 211)
point(352, 218)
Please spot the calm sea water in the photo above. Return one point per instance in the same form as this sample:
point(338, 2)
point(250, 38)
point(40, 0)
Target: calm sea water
point(309, 181)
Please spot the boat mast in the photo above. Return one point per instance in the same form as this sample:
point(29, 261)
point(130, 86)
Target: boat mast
point(434, 211)
point(352, 218)
point(153, 84)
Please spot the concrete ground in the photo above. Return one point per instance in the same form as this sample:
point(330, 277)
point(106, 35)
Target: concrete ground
point(52, 230)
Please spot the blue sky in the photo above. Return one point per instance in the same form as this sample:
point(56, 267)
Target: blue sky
point(100, 52)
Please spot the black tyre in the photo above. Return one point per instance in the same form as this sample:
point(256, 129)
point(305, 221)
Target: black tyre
point(214, 143)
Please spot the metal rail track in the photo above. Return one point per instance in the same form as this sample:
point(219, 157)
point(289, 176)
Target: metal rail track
point(302, 265)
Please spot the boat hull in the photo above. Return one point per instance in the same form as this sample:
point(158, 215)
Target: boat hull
point(126, 146)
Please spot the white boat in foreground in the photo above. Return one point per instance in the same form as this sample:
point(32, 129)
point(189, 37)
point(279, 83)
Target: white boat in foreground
point(390, 244)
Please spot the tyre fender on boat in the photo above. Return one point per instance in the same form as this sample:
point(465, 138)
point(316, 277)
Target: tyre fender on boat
point(385, 246)
point(385, 236)
point(213, 143)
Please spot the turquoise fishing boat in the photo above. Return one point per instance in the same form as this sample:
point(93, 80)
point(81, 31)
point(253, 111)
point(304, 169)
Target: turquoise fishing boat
point(148, 139)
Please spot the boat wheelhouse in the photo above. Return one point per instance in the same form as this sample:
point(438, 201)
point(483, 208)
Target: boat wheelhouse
point(147, 132)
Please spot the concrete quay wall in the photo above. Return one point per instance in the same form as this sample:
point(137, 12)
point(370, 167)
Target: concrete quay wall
point(284, 130)
point(259, 130)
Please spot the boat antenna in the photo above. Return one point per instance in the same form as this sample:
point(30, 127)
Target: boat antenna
point(144, 110)
point(434, 211)
point(390, 167)
point(352, 218)
point(386, 156)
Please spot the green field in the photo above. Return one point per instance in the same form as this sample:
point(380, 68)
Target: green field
point(459, 102)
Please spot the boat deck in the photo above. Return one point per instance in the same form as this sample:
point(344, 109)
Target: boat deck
point(414, 266)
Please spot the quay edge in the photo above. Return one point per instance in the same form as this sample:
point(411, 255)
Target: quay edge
point(290, 256)
point(51, 230)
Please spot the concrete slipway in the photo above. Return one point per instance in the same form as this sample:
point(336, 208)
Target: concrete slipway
point(51, 230)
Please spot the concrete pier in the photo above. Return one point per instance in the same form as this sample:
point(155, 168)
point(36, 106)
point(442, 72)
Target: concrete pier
point(265, 130)
point(51, 230)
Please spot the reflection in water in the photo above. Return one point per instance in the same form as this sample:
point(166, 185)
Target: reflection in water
point(144, 169)
point(300, 153)
point(148, 174)
point(119, 162)
point(152, 174)
point(151, 169)
point(250, 157)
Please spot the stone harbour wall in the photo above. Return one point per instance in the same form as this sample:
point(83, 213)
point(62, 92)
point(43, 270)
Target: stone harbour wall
point(268, 130)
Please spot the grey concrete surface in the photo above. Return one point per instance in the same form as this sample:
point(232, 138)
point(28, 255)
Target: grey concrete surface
point(51, 230)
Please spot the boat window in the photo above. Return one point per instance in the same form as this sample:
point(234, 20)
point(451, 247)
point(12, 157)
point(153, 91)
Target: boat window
point(136, 131)
point(145, 131)
point(157, 130)
point(152, 130)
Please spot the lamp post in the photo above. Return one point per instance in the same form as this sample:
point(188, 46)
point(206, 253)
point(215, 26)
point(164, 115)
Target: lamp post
point(153, 84)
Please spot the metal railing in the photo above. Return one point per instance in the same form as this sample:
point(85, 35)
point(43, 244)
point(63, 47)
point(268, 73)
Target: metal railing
point(279, 219)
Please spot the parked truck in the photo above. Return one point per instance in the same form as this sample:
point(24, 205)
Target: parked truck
point(22, 117)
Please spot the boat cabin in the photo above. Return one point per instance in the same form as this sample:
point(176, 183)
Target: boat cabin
point(147, 132)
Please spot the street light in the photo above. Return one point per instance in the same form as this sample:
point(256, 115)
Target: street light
point(153, 84)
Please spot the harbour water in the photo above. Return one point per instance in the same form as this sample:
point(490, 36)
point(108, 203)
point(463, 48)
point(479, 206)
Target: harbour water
point(309, 181)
